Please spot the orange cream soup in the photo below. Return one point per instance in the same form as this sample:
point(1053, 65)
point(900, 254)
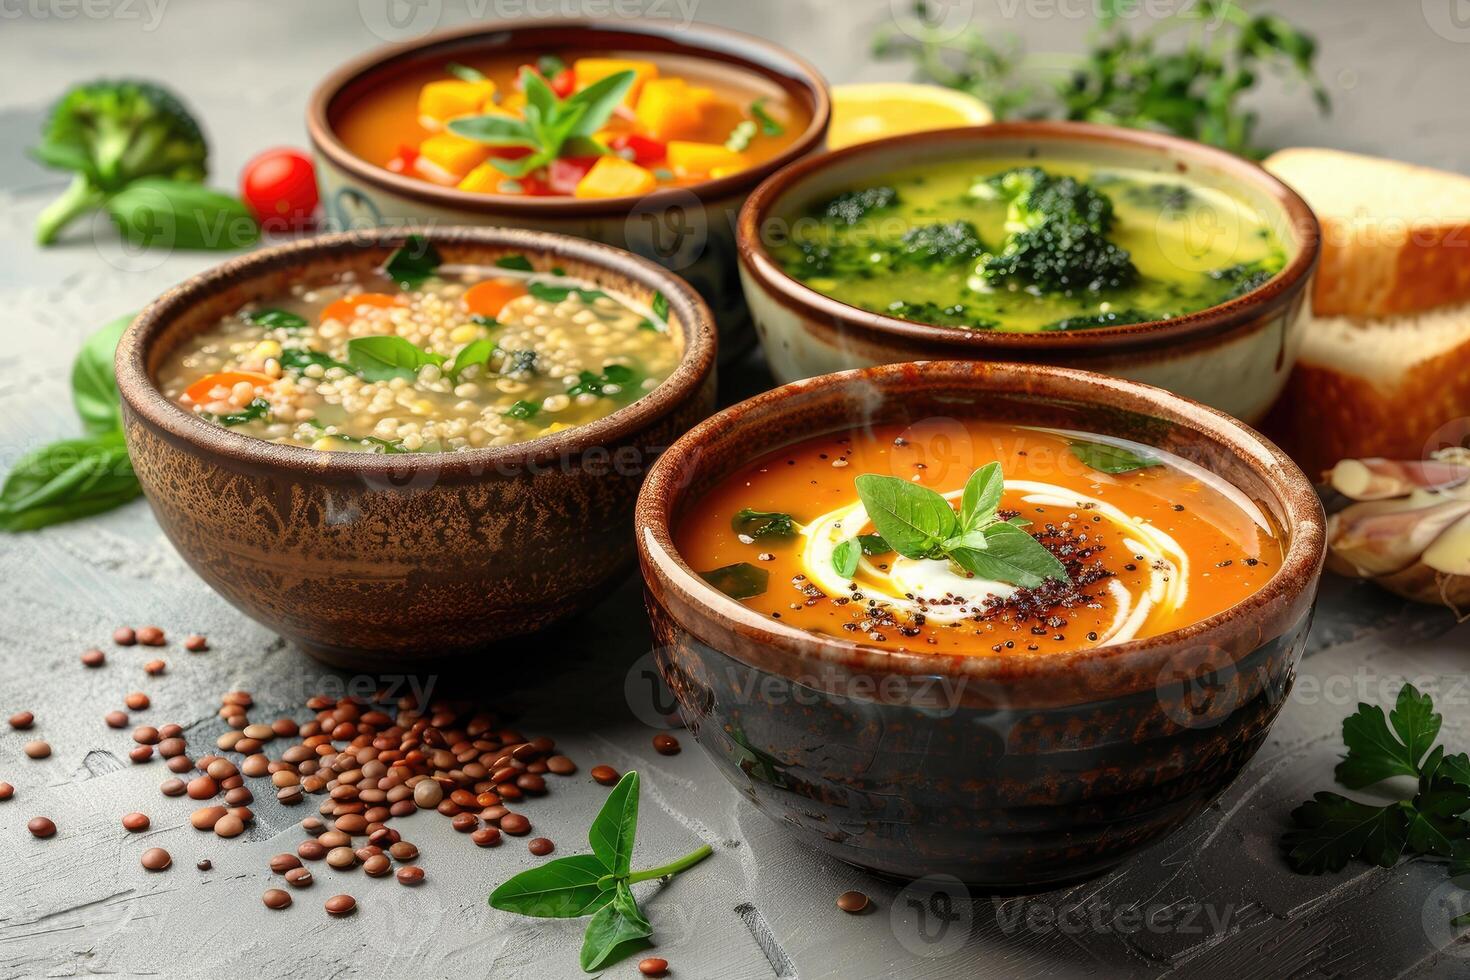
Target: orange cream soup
point(1173, 543)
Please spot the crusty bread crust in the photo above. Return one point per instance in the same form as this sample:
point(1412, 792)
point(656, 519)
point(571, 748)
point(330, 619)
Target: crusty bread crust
point(1325, 415)
point(1377, 272)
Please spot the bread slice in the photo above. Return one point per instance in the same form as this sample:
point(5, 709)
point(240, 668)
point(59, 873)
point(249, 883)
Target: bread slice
point(1395, 237)
point(1383, 387)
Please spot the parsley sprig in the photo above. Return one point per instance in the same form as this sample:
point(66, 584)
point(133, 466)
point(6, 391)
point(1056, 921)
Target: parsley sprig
point(599, 884)
point(1332, 830)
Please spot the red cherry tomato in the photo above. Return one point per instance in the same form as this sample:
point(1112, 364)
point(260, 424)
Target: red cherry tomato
point(279, 187)
point(646, 152)
point(563, 83)
point(565, 173)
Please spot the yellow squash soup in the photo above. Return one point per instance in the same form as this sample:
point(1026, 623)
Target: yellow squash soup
point(1065, 541)
point(424, 358)
point(625, 123)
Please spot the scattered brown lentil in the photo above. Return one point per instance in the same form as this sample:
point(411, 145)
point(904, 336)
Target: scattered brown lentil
point(541, 846)
point(154, 667)
point(410, 874)
point(93, 658)
point(299, 878)
point(137, 701)
point(6, 791)
point(38, 749)
point(852, 902)
point(116, 719)
point(560, 765)
point(606, 775)
point(282, 863)
point(229, 825)
point(173, 786)
point(156, 859)
point(22, 720)
point(341, 857)
point(377, 866)
point(124, 636)
point(195, 643)
point(151, 636)
point(515, 824)
point(135, 822)
point(42, 827)
point(665, 744)
point(653, 966)
point(341, 905)
point(204, 864)
point(486, 837)
point(276, 898)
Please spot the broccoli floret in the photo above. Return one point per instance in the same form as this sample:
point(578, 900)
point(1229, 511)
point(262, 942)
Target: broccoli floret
point(1244, 277)
point(850, 207)
point(1036, 196)
point(111, 133)
point(947, 243)
point(1167, 199)
point(1113, 318)
point(841, 259)
point(1060, 257)
point(925, 311)
point(1058, 235)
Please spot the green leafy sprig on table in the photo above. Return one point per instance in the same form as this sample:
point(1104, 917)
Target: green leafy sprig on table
point(1186, 74)
point(599, 884)
point(918, 522)
point(138, 154)
point(552, 127)
point(78, 477)
point(1333, 830)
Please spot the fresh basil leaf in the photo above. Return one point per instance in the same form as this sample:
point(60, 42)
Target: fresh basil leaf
point(493, 130)
point(273, 318)
point(464, 72)
point(1012, 556)
point(617, 930)
point(913, 519)
point(873, 544)
point(845, 557)
point(258, 408)
point(413, 262)
point(615, 826)
point(538, 93)
point(1111, 459)
point(157, 213)
point(476, 353)
point(564, 888)
point(300, 358)
point(94, 381)
point(982, 496)
point(66, 480)
point(598, 101)
point(763, 524)
point(384, 358)
point(769, 126)
point(741, 580)
point(522, 410)
point(661, 306)
point(548, 293)
point(518, 262)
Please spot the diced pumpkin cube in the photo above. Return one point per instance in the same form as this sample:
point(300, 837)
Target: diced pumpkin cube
point(613, 176)
point(703, 159)
point(484, 179)
point(444, 100)
point(453, 154)
point(588, 71)
point(671, 109)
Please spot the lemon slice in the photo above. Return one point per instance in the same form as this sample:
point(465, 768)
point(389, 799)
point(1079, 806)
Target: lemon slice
point(874, 110)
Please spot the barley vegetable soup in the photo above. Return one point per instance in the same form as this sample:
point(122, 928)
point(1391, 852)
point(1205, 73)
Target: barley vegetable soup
point(1021, 245)
point(423, 357)
point(1063, 541)
point(608, 124)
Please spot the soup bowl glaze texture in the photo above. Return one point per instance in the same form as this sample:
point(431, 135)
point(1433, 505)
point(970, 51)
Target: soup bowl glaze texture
point(1005, 771)
point(368, 559)
point(1234, 356)
point(689, 230)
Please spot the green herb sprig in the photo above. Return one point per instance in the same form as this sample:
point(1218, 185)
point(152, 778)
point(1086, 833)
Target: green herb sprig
point(1107, 458)
point(599, 884)
point(75, 478)
point(1187, 74)
point(919, 523)
point(1332, 830)
point(552, 127)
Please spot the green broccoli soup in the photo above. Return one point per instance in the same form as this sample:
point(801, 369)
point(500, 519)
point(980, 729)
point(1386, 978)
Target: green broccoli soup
point(1019, 246)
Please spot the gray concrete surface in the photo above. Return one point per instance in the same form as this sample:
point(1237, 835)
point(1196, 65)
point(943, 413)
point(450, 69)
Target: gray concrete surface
point(1221, 902)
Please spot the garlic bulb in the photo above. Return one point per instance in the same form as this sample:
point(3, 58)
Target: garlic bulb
point(1408, 527)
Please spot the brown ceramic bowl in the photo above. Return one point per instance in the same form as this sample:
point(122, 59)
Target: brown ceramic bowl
point(368, 559)
point(1006, 772)
point(687, 230)
point(1234, 356)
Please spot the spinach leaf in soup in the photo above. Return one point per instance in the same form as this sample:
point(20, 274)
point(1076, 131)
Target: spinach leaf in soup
point(758, 524)
point(258, 408)
point(300, 358)
point(741, 580)
point(271, 318)
point(387, 357)
point(518, 263)
point(413, 262)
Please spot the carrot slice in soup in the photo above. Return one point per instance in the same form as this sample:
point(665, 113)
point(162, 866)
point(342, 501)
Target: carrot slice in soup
point(489, 298)
point(345, 308)
point(199, 390)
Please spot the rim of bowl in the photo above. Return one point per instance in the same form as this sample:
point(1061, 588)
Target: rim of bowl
point(749, 52)
point(1222, 317)
point(143, 396)
point(667, 485)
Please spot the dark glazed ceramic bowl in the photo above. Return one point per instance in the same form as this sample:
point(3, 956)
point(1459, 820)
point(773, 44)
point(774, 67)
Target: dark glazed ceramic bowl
point(688, 230)
point(1234, 356)
point(1004, 771)
point(370, 559)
